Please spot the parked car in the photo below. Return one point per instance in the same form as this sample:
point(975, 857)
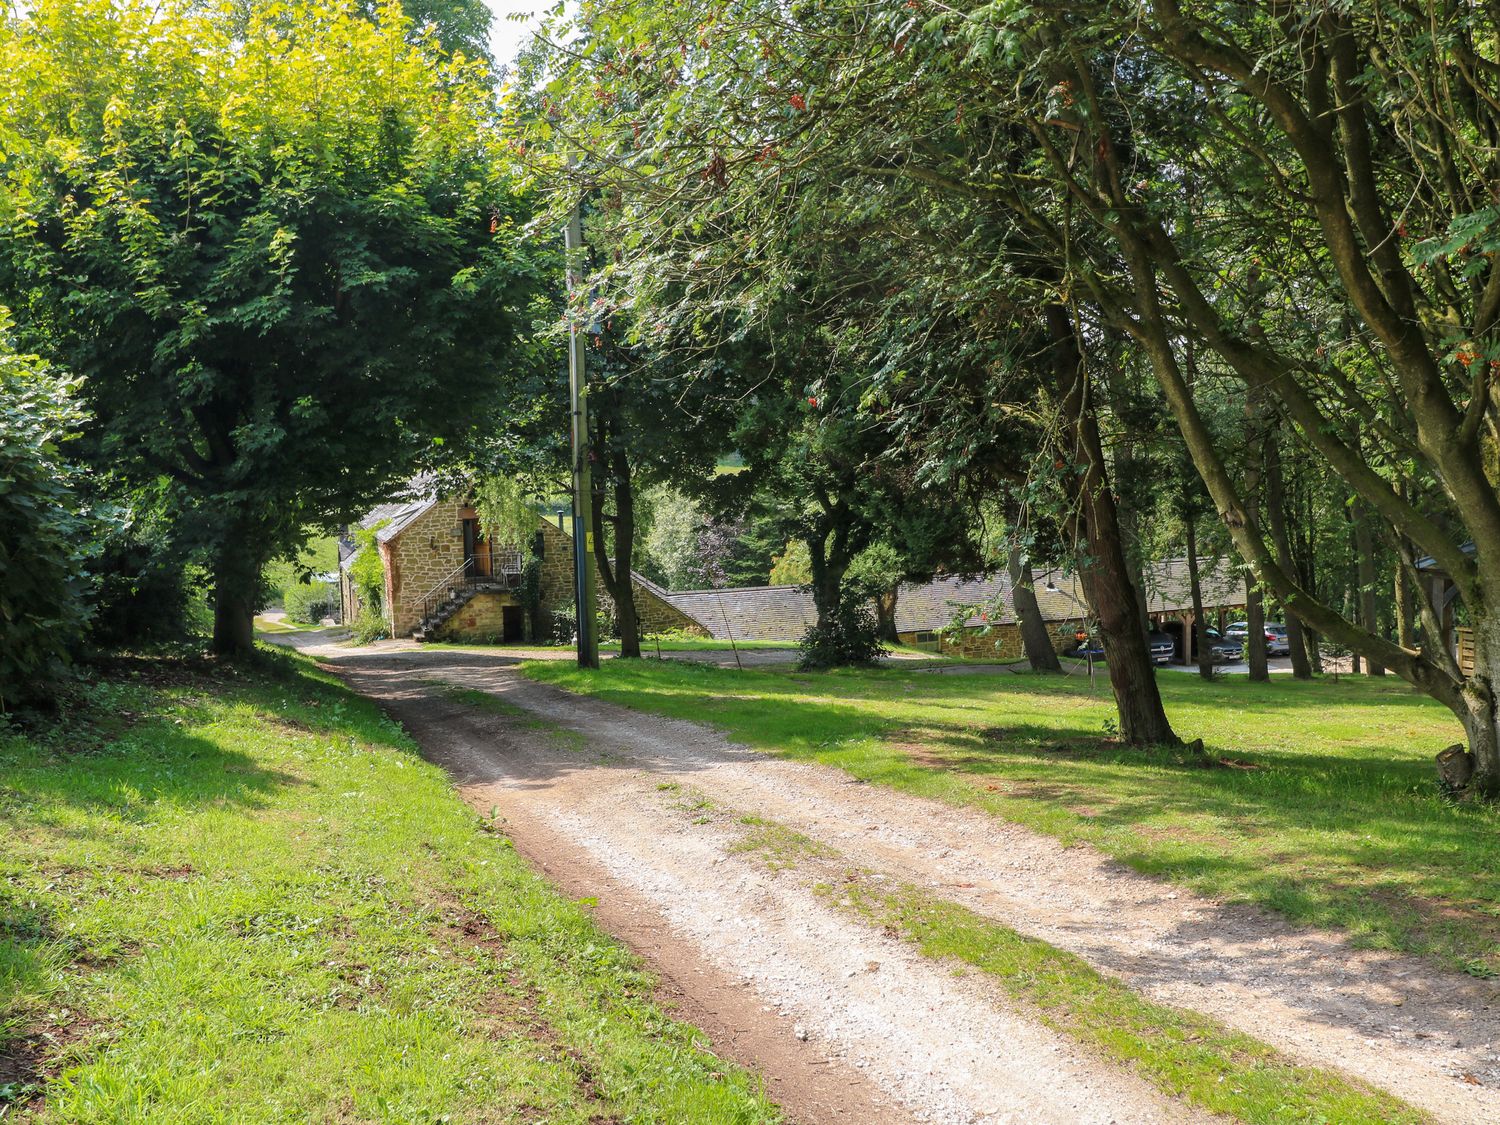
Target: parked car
point(1276, 640)
point(1163, 647)
point(1223, 649)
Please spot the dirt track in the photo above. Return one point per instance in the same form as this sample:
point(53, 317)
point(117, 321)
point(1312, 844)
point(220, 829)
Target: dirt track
point(850, 1025)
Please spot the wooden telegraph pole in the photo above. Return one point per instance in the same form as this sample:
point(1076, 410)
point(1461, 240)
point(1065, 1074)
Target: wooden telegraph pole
point(583, 531)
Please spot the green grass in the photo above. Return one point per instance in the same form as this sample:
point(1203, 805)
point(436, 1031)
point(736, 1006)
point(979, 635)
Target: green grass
point(244, 897)
point(285, 625)
point(1182, 1053)
point(1327, 813)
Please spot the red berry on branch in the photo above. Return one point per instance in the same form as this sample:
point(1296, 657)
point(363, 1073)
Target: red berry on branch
point(797, 101)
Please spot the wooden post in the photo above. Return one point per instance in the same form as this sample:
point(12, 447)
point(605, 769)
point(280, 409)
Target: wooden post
point(583, 531)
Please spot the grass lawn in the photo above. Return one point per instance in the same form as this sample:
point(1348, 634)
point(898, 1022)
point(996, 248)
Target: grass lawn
point(245, 897)
point(1326, 811)
point(284, 625)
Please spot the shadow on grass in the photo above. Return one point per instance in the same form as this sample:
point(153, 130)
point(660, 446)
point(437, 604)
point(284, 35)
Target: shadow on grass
point(1326, 815)
point(154, 764)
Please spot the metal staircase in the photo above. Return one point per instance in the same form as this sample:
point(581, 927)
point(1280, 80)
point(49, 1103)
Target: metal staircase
point(462, 585)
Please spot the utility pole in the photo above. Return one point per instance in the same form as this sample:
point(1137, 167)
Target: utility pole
point(583, 508)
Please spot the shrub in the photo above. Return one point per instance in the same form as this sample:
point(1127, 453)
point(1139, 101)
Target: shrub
point(367, 569)
point(45, 533)
point(368, 627)
point(309, 602)
point(147, 588)
point(850, 637)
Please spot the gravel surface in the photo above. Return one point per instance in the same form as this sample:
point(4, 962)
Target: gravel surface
point(943, 1049)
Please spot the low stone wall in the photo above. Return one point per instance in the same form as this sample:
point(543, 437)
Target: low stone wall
point(482, 619)
point(997, 642)
point(657, 615)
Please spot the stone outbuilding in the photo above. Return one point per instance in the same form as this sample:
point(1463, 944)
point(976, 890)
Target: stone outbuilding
point(971, 617)
point(444, 579)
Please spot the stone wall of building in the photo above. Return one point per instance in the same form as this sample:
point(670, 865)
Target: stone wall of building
point(428, 550)
point(656, 614)
point(482, 620)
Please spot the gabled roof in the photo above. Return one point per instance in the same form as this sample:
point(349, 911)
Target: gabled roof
point(758, 613)
point(933, 605)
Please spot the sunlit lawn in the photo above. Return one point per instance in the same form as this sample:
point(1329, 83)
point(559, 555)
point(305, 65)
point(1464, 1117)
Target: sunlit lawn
point(247, 898)
point(1327, 809)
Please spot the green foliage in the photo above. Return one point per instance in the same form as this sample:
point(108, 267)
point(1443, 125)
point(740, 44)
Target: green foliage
point(147, 586)
point(45, 536)
point(792, 567)
point(669, 552)
point(308, 603)
point(280, 246)
point(876, 569)
point(367, 568)
point(370, 626)
point(850, 636)
point(318, 555)
point(507, 510)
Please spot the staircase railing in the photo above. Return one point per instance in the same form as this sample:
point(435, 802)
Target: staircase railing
point(443, 590)
point(506, 574)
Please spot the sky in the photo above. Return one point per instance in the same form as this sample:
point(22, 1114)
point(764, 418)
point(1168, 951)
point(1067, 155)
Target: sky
point(506, 35)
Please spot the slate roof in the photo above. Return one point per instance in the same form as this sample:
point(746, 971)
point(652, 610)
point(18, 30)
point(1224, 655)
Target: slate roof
point(759, 613)
point(933, 605)
point(783, 613)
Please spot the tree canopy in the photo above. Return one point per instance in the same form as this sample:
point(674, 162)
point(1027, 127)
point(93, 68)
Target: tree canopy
point(280, 252)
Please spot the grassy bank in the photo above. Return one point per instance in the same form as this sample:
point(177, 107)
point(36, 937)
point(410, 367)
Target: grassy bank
point(1324, 806)
point(246, 898)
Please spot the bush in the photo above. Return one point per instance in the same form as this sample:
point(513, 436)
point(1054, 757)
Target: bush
point(45, 533)
point(368, 627)
point(309, 602)
point(850, 637)
point(147, 588)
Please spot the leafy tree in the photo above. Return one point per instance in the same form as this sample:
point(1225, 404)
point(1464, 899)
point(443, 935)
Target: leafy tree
point(791, 567)
point(670, 546)
point(761, 161)
point(45, 535)
point(283, 259)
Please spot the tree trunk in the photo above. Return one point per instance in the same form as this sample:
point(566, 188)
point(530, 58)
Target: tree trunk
point(1123, 449)
point(1364, 545)
point(1281, 542)
point(1041, 654)
point(1255, 630)
point(614, 573)
point(236, 584)
point(1106, 578)
point(1194, 641)
point(827, 578)
point(885, 613)
point(1481, 715)
point(1255, 606)
point(1406, 608)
